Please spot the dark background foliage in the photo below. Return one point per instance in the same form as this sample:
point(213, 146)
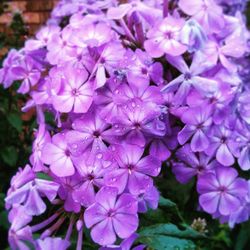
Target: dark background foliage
point(169, 227)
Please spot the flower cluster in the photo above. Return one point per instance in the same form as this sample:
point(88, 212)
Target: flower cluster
point(130, 86)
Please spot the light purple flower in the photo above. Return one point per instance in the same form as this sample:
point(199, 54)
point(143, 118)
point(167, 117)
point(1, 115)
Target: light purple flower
point(190, 78)
point(133, 172)
point(207, 13)
point(111, 215)
point(221, 191)
point(76, 92)
point(189, 164)
point(164, 38)
point(89, 134)
point(57, 155)
point(222, 145)
point(42, 137)
point(50, 243)
point(27, 73)
point(197, 122)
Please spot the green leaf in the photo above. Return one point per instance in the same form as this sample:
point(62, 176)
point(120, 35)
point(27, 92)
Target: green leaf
point(2, 195)
point(243, 237)
point(162, 242)
point(171, 230)
point(15, 121)
point(163, 202)
point(10, 156)
point(170, 206)
point(43, 176)
point(4, 220)
point(168, 236)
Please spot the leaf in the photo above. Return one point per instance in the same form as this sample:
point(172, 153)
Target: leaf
point(168, 236)
point(43, 176)
point(15, 121)
point(171, 230)
point(170, 205)
point(163, 202)
point(162, 242)
point(4, 220)
point(10, 155)
point(243, 237)
point(2, 195)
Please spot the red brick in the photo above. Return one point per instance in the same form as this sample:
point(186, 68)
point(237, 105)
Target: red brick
point(6, 18)
point(40, 5)
point(16, 6)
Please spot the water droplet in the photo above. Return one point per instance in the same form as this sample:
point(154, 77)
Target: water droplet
point(99, 156)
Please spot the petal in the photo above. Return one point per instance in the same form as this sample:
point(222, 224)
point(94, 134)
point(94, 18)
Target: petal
point(149, 165)
point(182, 172)
point(159, 149)
point(225, 175)
point(199, 141)
point(244, 159)
point(185, 134)
point(34, 204)
point(63, 103)
point(228, 204)
point(103, 233)
point(209, 202)
point(106, 196)
point(138, 183)
point(125, 224)
point(207, 183)
point(63, 167)
point(117, 178)
point(94, 214)
point(224, 156)
point(126, 204)
point(85, 194)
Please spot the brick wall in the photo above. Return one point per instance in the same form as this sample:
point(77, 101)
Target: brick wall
point(34, 13)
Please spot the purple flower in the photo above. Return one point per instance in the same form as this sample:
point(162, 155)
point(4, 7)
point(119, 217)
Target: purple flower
point(66, 191)
point(141, 68)
point(207, 13)
point(28, 73)
point(193, 35)
point(242, 150)
point(30, 195)
point(133, 172)
point(221, 191)
point(60, 47)
point(189, 164)
point(57, 155)
point(189, 78)
point(91, 177)
point(222, 145)
point(149, 199)
point(42, 137)
point(76, 95)
point(43, 37)
point(111, 215)
point(197, 122)
point(165, 38)
point(50, 243)
point(17, 238)
point(89, 134)
point(137, 121)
